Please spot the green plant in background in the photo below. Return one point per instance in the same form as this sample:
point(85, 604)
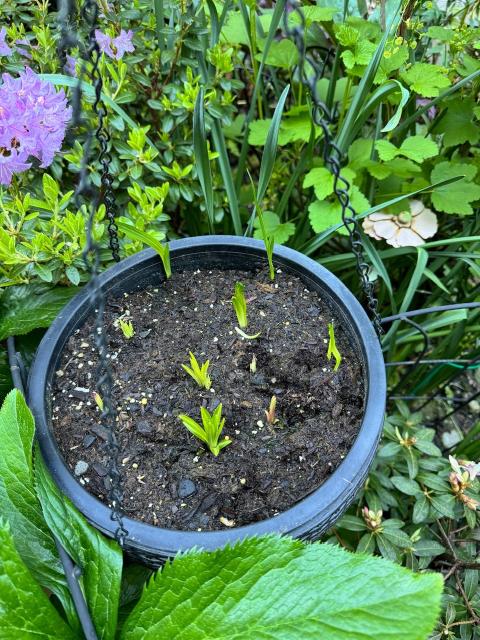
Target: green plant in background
point(198, 372)
point(332, 351)
point(126, 327)
point(211, 430)
point(236, 587)
point(240, 305)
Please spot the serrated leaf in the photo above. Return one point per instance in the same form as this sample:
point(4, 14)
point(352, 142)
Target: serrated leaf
point(426, 79)
point(280, 231)
point(31, 306)
point(455, 197)
point(386, 150)
point(282, 54)
point(282, 589)
point(19, 504)
point(418, 148)
point(457, 124)
point(99, 557)
point(321, 179)
point(325, 214)
point(25, 611)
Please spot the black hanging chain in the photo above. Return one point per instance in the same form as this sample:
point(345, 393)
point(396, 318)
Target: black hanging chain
point(91, 253)
point(310, 70)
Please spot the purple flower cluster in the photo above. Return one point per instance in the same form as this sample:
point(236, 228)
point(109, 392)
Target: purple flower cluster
point(33, 119)
point(4, 48)
point(115, 47)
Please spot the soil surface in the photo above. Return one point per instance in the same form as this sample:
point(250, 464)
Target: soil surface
point(170, 479)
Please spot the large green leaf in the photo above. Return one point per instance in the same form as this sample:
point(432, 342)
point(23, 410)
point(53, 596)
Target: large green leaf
point(30, 306)
point(99, 558)
point(455, 198)
point(25, 611)
point(19, 504)
point(457, 124)
point(282, 589)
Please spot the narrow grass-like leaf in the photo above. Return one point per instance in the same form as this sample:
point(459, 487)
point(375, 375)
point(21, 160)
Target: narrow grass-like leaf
point(202, 161)
point(159, 22)
point(163, 250)
point(276, 16)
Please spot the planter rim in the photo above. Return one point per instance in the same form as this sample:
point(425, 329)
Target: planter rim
point(293, 521)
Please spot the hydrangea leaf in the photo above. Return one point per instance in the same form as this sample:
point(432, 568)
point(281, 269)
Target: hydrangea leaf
point(322, 180)
point(100, 558)
point(455, 197)
point(457, 125)
point(19, 504)
point(25, 611)
point(426, 79)
point(27, 307)
point(283, 589)
point(325, 214)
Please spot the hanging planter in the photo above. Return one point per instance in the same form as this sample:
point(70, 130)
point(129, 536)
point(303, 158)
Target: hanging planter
point(292, 468)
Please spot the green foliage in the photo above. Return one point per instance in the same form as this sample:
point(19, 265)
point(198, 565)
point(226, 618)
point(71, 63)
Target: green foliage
point(100, 558)
point(19, 504)
point(25, 610)
point(211, 430)
point(426, 79)
point(127, 328)
point(455, 198)
point(198, 372)
point(238, 593)
point(332, 351)
point(240, 305)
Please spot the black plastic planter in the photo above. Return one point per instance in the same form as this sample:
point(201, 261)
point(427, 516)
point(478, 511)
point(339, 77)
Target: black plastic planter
point(307, 519)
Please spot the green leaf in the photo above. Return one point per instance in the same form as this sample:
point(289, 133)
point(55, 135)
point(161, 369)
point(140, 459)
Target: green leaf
point(282, 54)
point(321, 179)
point(25, 611)
point(397, 537)
point(427, 548)
point(352, 523)
point(366, 544)
point(421, 509)
point(456, 197)
point(405, 485)
point(325, 214)
point(395, 119)
point(426, 79)
point(415, 148)
point(283, 589)
point(31, 306)
point(137, 234)
point(19, 504)
point(457, 124)
point(202, 160)
point(99, 558)
point(444, 505)
point(73, 275)
point(280, 232)
point(50, 189)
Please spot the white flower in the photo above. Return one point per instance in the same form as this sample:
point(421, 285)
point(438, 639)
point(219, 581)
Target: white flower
point(407, 229)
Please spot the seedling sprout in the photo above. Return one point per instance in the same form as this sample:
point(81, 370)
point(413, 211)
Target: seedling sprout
point(240, 305)
point(127, 328)
point(211, 430)
point(198, 372)
point(332, 347)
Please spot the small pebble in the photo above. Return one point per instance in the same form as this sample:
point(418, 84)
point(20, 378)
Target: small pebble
point(186, 488)
point(81, 467)
point(88, 440)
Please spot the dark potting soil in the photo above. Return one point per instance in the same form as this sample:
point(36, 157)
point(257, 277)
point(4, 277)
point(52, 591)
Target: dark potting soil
point(170, 479)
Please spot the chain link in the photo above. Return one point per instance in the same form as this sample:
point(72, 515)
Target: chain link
point(311, 69)
point(91, 253)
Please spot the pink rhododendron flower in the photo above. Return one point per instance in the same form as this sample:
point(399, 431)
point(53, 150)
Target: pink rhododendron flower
point(4, 48)
point(115, 48)
point(407, 229)
point(33, 120)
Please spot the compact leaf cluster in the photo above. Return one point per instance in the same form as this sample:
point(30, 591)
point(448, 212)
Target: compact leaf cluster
point(211, 427)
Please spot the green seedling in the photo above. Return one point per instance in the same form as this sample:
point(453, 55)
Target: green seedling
point(98, 400)
point(268, 240)
point(332, 347)
point(127, 328)
point(271, 411)
point(253, 364)
point(246, 336)
point(198, 372)
point(240, 305)
point(211, 430)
